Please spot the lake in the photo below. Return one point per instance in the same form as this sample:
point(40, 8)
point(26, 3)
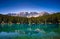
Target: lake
point(31, 31)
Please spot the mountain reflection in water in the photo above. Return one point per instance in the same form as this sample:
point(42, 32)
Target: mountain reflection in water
point(39, 30)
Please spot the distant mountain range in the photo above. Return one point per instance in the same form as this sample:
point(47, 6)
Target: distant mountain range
point(28, 15)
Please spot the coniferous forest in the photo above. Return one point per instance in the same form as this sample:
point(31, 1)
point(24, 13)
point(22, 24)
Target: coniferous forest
point(49, 19)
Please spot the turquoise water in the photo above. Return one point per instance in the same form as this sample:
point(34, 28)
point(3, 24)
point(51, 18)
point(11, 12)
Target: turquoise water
point(38, 30)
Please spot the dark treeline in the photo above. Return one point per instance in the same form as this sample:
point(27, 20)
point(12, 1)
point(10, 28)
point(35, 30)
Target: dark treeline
point(52, 18)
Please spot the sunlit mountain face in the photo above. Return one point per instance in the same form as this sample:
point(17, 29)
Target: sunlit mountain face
point(27, 14)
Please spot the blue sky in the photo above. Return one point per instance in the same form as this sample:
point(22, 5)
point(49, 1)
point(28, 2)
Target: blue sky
point(15, 6)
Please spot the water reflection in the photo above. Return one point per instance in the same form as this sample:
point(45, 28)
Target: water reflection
point(29, 30)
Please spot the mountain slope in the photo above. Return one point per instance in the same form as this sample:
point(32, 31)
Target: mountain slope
point(28, 15)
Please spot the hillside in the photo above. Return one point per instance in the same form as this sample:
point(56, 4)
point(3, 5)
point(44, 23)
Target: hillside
point(52, 18)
